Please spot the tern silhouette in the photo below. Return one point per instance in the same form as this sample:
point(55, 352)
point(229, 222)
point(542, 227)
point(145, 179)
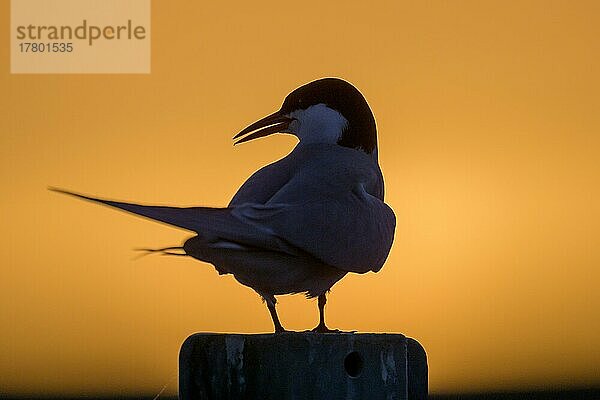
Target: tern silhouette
point(302, 223)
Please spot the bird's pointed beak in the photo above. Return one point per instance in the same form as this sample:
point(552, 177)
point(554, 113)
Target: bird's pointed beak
point(276, 122)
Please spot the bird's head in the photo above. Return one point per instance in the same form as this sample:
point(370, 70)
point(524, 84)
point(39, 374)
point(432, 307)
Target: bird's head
point(328, 110)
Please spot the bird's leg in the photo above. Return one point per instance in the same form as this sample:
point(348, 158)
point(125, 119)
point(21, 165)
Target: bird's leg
point(271, 305)
point(322, 328)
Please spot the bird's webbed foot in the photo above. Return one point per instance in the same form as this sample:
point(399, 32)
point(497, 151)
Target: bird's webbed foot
point(322, 328)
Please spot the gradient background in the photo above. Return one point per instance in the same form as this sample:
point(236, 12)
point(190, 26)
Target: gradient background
point(489, 128)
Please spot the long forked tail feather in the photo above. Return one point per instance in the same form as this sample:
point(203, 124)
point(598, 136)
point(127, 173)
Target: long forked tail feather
point(164, 251)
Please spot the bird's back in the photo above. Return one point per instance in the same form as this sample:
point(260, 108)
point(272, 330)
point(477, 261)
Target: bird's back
point(326, 200)
point(314, 170)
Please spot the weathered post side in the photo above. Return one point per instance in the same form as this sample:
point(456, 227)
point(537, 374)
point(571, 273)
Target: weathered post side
point(302, 365)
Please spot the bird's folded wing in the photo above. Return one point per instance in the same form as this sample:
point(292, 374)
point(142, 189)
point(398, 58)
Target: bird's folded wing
point(353, 232)
point(214, 224)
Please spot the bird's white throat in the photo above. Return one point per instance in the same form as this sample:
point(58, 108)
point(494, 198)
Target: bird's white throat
point(317, 124)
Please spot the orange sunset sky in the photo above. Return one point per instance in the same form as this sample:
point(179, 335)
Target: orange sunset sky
point(489, 132)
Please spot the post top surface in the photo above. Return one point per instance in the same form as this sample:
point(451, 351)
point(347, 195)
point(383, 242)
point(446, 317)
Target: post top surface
point(302, 333)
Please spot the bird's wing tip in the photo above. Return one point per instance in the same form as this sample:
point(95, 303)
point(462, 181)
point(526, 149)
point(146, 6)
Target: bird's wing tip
point(63, 191)
point(56, 189)
point(69, 193)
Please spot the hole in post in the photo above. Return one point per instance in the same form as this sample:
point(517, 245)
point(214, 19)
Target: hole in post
point(353, 364)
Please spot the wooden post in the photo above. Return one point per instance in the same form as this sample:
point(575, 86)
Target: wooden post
point(303, 366)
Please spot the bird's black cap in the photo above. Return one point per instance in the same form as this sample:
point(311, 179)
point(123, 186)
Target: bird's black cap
point(337, 94)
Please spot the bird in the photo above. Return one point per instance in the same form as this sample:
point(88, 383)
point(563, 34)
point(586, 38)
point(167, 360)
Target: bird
point(299, 224)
